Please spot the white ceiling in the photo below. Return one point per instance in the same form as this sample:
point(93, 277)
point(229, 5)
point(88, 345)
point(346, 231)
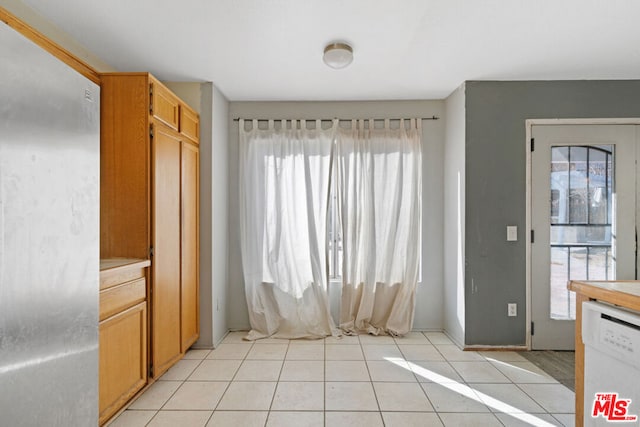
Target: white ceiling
point(403, 49)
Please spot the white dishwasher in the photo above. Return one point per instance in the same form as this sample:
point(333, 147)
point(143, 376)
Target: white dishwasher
point(611, 336)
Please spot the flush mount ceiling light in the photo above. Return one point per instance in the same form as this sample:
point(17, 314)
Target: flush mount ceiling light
point(338, 55)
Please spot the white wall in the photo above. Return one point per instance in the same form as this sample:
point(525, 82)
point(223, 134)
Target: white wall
point(25, 13)
point(429, 312)
point(213, 108)
point(454, 215)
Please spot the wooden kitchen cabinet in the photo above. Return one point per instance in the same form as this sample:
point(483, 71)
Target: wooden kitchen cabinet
point(189, 123)
point(165, 106)
point(149, 202)
point(166, 227)
point(190, 190)
point(122, 333)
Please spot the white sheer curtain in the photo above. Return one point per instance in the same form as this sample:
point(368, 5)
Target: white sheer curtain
point(380, 196)
point(284, 188)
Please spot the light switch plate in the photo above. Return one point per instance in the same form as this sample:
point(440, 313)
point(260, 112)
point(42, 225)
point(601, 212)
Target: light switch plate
point(512, 233)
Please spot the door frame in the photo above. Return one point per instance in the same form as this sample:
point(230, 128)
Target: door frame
point(529, 123)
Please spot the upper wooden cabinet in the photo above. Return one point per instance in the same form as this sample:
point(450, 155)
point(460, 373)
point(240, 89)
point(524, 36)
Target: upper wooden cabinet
point(165, 106)
point(149, 202)
point(189, 123)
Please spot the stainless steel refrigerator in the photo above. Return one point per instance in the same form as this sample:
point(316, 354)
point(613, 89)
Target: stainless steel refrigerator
point(49, 238)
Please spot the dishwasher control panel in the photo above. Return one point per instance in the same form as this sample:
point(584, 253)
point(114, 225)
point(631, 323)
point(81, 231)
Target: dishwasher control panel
point(617, 336)
point(612, 330)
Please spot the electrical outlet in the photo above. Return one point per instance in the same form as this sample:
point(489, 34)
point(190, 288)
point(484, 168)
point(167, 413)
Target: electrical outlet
point(512, 309)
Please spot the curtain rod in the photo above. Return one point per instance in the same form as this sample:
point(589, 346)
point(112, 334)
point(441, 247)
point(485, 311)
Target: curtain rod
point(342, 120)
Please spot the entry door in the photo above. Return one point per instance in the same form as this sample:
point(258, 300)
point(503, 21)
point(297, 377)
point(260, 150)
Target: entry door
point(583, 219)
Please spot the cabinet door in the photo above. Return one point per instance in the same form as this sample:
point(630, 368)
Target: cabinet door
point(190, 245)
point(189, 123)
point(164, 105)
point(165, 264)
point(123, 358)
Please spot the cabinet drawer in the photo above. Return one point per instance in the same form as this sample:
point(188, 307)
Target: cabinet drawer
point(123, 359)
point(165, 106)
point(114, 277)
point(121, 297)
point(189, 123)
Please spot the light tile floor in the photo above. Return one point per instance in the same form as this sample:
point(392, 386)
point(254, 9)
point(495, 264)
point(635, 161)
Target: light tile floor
point(422, 379)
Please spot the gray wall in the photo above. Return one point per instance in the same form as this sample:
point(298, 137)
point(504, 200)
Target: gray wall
point(429, 311)
point(219, 231)
point(496, 183)
point(454, 198)
point(206, 219)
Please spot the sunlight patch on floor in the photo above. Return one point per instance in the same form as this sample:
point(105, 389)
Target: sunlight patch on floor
point(470, 392)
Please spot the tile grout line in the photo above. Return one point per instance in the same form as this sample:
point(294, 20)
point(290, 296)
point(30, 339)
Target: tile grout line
point(182, 382)
point(546, 411)
point(201, 361)
point(275, 390)
point(233, 377)
point(422, 388)
point(375, 395)
point(289, 348)
point(464, 382)
point(214, 408)
point(324, 383)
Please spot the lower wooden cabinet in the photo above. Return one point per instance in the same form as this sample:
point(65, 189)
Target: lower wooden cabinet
point(123, 358)
point(123, 340)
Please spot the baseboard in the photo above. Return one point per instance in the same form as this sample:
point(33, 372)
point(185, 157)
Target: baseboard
point(202, 347)
point(460, 345)
point(453, 339)
point(217, 343)
point(495, 348)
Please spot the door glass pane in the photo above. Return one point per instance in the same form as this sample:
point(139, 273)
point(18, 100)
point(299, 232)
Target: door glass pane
point(598, 186)
point(581, 212)
point(559, 182)
point(578, 185)
point(559, 275)
point(600, 264)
